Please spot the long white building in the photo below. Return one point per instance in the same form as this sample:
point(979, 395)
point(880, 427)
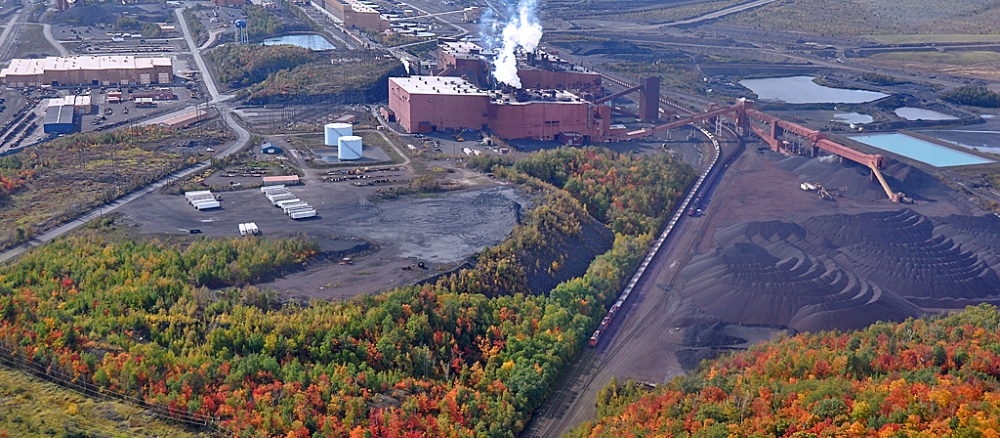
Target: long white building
point(88, 70)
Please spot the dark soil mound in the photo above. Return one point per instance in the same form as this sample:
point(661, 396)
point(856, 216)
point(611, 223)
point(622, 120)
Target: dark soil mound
point(853, 179)
point(574, 257)
point(709, 335)
point(93, 15)
point(841, 271)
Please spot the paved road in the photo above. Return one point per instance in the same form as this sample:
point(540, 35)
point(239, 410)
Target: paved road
point(47, 31)
point(242, 138)
point(406, 158)
point(14, 26)
point(97, 212)
point(209, 82)
point(721, 13)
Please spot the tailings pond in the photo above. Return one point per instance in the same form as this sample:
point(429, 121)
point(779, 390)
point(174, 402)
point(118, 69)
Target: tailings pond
point(981, 140)
point(920, 150)
point(802, 89)
point(852, 118)
point(910, 113)
point(309, 41)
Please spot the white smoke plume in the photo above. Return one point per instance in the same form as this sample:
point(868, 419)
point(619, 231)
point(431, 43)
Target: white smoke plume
point(522, 31)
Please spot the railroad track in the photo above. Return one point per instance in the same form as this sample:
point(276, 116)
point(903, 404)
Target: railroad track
point(550, 421)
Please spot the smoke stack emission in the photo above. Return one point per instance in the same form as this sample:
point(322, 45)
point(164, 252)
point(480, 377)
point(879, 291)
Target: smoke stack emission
point(522, 32)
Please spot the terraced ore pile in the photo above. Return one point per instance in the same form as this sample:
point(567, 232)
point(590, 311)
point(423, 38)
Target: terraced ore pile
point(846, 271)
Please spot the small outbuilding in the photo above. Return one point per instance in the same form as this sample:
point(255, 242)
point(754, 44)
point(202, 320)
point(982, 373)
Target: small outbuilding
point(268, 148)
point(283, 180)
point(61, 120)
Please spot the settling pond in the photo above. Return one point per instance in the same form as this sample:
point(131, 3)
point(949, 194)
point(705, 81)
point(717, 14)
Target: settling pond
point(920, 150)
point(910, 113)
point(308, 41)
point(802, 89)
point(852, 118)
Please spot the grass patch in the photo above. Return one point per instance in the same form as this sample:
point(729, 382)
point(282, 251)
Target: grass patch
point(935, 38)
point(239, 66)
point(674, 76)
point(949, 58)
point(354, 77)
point(676, 13)
point(195, 26)
point(32, 43)
point(74, 174)
point(851, 18)
point(31, 407)
point(373, 139)
point(368, 139)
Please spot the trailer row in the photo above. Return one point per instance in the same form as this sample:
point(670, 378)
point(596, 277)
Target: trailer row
point(249, 229)
point(202, 200)
point(281, 197)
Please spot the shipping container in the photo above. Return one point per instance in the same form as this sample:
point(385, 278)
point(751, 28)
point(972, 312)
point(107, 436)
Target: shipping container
point(207, 205)
point(269, 189)
point(272, 195)
point(282, 204)
point(243, 229)
point(298, 209)
point(278, 198)
point(289, 207)
point(253, 228)
point(303, 214)
point(200, 198)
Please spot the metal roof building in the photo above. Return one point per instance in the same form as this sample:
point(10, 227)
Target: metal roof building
point(61, 120)
point(82, 104)
point(89, 70)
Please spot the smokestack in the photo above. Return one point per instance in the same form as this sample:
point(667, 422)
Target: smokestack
point(523, 31)
point(649, 100)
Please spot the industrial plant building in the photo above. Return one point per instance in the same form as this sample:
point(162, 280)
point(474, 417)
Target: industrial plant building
point(355, 14)
point(61, 119)
point(558, 100)
point(88, 70)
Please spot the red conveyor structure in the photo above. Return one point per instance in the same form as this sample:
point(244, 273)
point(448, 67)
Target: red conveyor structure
point(770, 128)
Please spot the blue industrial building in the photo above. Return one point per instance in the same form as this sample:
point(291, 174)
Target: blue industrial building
point(61, 120)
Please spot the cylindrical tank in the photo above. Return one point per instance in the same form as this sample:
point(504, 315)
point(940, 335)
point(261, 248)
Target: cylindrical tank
point(334, 131)
point(349, 147)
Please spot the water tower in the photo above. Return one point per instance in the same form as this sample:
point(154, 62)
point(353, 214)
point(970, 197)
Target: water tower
point(241, 32)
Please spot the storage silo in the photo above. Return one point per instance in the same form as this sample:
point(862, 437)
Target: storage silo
point(349, 147)
point(334, 131)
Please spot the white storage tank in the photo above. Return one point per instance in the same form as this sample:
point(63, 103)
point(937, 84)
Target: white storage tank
point(334, 131)
point(349, 148)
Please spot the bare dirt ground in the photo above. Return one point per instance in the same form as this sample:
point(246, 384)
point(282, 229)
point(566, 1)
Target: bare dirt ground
point(382, 237)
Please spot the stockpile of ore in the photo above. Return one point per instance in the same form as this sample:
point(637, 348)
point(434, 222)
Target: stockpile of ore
point(846, 271)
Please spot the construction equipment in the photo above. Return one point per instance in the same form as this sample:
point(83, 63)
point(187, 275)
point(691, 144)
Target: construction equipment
point(824, 194)
point(898, 197)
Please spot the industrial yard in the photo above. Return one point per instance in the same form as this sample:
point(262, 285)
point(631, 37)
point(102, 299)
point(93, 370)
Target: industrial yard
point(380, 236)
point(841, 176)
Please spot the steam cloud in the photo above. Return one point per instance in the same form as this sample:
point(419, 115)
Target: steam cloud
point(522, 31)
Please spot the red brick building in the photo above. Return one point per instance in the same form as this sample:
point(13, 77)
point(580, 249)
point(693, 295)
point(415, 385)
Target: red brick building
point(437, 103)
point(441, 103)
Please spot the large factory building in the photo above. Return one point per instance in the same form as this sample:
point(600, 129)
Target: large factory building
point(445, 103)
point(355, 14)
point(556, 101)
point(88, 70)
point(546, 114)
point(438, 103)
